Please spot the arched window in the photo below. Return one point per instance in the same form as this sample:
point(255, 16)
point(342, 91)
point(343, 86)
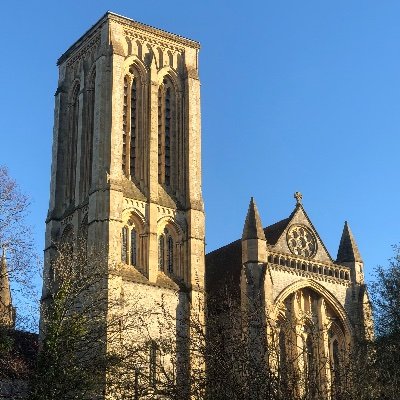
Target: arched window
point(170, 255)
point(124, 249)
point(133, 246)
point(161, 253)
point(167, 118)
point(131, 250)
point(166, 252)
point(125, 126)
point(133, 138)
point(131, 120)
point(166, 131)
point(72, 144)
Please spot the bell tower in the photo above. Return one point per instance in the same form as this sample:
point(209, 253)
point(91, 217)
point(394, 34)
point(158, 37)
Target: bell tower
point(126, 166)
point(126, 160)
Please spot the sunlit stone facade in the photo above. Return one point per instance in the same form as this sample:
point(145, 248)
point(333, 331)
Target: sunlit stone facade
point(126, 168)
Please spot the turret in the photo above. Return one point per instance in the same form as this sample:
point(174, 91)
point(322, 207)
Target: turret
point(7, 311)
point(254, 248)
point(348, 254)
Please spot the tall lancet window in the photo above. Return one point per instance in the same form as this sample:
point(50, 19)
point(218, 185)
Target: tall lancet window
point(167, 118)
point(124, 243)
point(133, 246)
point(125, 126)
point(72, 145)
point(166, 254)
point(88, 145)
point(166, 131)
point(170, 255)
point(133, 137)
point(161, 252)
point(132, 128)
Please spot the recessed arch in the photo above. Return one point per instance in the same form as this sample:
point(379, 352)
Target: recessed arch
point(324, 293)
point(134, 217)
point(135, 62)
point(67, 233)
point(168, 72)
point(168, 221)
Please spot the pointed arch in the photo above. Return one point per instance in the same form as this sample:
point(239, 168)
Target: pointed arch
point(170, 237)
point(134, 123)
point(133, 239)
point(168, 72)
point(169, 127)
point(324, 293)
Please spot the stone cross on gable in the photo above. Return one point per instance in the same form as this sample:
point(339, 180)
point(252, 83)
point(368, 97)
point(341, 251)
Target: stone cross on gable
point(299, 197)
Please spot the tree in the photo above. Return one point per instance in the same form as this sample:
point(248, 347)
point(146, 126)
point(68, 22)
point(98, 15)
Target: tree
point(18, 265)
point(93, 340)
point(72, 357)
point(15, 233)
point(385, 292)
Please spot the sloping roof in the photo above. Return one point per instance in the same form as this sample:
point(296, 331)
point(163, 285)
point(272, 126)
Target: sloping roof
point(224, 265)
point(274, 231)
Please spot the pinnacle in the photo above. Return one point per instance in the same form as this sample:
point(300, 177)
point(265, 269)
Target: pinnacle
point(5, 293)
point(253, 226)
point(348, 250)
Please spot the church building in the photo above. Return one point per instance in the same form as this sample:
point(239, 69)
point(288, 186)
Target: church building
point(126, 177)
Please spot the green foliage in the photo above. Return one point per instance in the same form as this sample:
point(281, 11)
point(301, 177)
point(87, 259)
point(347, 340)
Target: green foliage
point(72, 357)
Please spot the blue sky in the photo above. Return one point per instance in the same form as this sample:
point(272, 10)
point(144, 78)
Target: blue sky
point(296, 96)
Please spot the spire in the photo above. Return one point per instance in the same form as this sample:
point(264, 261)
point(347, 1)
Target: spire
point(348, 250)
point(6, 308)
point(252, 226)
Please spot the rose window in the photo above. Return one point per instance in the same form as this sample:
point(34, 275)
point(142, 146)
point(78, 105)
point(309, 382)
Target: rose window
point(301, 241)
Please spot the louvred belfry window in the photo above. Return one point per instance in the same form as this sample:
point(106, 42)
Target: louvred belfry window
point(160, 137)
point(133, 137)
point(72, 146)
point(166, 131)
point(167, 117)
point(133, 92)
point(125, 126)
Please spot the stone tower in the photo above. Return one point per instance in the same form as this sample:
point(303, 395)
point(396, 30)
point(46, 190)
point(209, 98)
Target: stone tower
point(126, 163)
